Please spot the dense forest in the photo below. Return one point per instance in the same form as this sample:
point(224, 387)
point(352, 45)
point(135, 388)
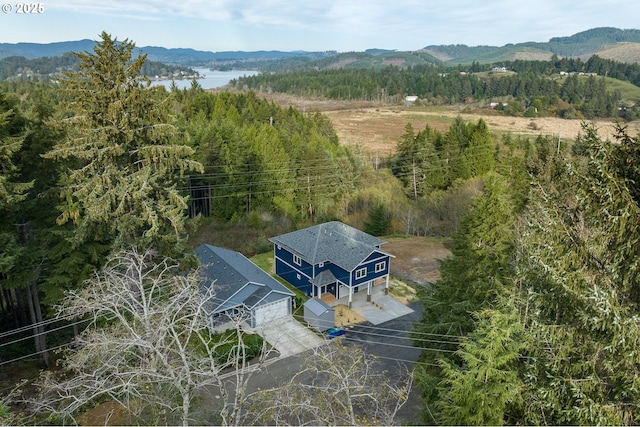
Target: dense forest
point(534, 321)
point(531, 90)
point(535, 318)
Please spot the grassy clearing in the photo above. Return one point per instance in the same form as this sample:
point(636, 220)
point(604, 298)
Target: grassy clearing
point(630, 92)
point(264, 261)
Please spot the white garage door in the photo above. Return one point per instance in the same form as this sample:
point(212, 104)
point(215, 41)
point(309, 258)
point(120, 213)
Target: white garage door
point(272, 311)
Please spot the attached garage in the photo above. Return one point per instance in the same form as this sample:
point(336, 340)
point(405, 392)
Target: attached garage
point(271, 311)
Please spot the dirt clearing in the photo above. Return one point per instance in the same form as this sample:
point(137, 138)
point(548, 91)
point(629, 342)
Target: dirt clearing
point(416, 258)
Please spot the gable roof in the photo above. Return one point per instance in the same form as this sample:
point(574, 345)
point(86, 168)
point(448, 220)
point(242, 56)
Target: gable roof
point(332, 241)
point(236, 280)
point(317, 306)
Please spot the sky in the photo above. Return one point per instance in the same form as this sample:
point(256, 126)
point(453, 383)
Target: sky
point(314, 25)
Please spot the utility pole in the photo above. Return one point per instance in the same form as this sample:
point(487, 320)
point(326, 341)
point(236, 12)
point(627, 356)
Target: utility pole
point(415, 184)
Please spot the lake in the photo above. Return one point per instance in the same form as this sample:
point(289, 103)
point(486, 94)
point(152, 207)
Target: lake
point(211, 80)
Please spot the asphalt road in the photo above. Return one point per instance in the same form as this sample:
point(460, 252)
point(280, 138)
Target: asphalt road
point(388, 341)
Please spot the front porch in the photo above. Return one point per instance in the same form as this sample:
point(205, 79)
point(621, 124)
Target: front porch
point(338, 293)
point(328, 298)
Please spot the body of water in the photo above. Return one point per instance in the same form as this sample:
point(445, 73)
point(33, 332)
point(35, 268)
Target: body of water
point(211, 80)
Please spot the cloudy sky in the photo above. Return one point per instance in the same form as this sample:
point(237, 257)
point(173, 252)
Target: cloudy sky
point(314, 25)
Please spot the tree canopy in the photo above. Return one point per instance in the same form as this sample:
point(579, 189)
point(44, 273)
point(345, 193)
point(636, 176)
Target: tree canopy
point(121, 152)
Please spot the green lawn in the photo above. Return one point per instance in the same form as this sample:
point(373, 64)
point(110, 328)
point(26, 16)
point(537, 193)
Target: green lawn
point(265, 262)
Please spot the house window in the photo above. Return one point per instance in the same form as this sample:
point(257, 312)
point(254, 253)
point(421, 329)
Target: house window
point(298, 276)
point(321, 264)
point(380, 266)
point(296, 260)
point(361, 273)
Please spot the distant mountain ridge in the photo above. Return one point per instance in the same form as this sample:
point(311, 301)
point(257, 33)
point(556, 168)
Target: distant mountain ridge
point(607, 42)
point(180, 56)
point(579, 45)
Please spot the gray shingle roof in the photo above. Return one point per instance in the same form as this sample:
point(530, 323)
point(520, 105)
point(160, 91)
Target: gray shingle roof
point(236, 280)
point(332, 241)
point(325, 277)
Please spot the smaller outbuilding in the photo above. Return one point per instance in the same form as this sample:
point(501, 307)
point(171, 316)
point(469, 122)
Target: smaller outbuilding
point(319, 315)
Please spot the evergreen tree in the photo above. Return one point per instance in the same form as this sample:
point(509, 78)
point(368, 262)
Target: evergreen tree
point(485, 387)
point(579, 262)
point(121, 153)
point(378, 223)
point(475, 276)
point(12, 192)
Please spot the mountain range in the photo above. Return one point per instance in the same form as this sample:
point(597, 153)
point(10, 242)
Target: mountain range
point(607, 42)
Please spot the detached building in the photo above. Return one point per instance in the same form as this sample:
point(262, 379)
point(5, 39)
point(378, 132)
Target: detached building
point(319, 315)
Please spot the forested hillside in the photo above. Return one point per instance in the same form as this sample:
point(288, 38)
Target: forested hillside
point(260, 157)
point(21, 68)
point(536, 314)
point(560, 87)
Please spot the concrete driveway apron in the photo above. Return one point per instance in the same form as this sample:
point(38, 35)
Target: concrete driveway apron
point(288, 336)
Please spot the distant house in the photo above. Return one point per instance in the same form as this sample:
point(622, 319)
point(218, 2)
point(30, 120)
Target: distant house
point(241, 288)
point(410, 100)
point(495, 104)
point(331, 258)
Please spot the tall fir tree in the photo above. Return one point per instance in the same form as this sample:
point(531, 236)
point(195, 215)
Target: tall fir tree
point(474, 277)
point(579, 258)
point(122, 151)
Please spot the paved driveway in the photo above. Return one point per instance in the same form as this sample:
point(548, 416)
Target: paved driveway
point(381, 309)
point(288, 336)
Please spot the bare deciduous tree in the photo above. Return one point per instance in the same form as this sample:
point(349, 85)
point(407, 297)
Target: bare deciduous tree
point(339, 385)
point(147, 346)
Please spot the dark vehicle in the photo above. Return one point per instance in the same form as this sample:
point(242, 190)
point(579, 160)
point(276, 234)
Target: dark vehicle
point(335, 332)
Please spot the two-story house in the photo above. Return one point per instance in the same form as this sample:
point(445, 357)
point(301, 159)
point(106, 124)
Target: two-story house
point(331, 258)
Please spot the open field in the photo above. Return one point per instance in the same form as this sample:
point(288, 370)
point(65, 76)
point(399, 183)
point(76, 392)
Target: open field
point(376, 129)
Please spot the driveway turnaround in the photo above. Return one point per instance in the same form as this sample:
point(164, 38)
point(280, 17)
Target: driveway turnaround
point(381, 309)
point(288, 336)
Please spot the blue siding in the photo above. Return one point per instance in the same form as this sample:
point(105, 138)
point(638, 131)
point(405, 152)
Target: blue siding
point(287, 257)
point(375, 256)
point(291, 275)
point(338, 272)
point(289, 271)
point(371, 274)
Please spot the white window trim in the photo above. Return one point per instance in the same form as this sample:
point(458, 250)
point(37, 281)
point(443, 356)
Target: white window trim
point(321, 264)
point(380, 266)
point(297, 260)
point(361, 273)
